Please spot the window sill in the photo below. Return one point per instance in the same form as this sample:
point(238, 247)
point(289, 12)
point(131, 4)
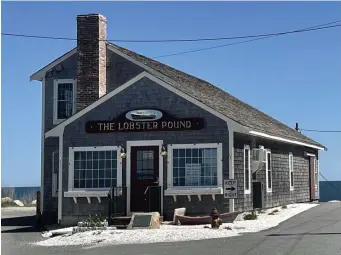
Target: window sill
point(57, 121)
point(193, 191)
point(87, 193)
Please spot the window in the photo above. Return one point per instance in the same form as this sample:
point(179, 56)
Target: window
point(291, 171)
point(145, 165)
point(195, 166)
point(94, 167)
point(247, 170)
point(55, 171)
point(316, 172)
point(268, 172)
point(64, 99)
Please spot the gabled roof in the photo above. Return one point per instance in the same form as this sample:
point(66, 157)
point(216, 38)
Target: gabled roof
point(219, 100)
point(208, 94)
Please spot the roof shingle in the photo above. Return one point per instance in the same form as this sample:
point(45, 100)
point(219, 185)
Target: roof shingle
point(219, 100)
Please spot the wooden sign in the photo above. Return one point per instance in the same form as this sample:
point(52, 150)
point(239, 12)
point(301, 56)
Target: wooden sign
point(144, 121)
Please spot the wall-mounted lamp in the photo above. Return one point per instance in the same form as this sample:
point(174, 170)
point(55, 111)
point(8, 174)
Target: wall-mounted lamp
point(122, 154)
point(163, 151)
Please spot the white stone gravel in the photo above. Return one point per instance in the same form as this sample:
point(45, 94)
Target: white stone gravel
point(171, 233)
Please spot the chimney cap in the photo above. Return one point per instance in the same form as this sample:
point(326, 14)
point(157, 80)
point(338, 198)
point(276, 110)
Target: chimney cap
point(91, 15)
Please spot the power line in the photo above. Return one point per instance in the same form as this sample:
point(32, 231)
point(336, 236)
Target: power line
point(185, 40)
point(321, 131)
point(230, 44)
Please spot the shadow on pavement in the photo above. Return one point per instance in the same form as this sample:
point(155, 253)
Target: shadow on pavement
point(29, 229)
point(305, 234)
point(19, 221)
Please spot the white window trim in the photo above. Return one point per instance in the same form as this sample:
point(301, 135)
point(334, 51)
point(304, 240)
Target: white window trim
point(56, 82)
point(92, 192)
point(266, 171)
point(291, 169)
point(173, 191)
point(247, 191)
point(316, 172)
point(54, 176)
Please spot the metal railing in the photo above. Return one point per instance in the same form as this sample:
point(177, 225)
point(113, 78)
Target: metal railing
point(153, 198)
point(117, 197)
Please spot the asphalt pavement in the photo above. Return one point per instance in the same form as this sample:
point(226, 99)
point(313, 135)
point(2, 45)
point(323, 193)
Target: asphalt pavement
point(313, 232)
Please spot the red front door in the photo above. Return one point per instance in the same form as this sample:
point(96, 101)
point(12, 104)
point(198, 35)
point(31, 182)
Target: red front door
point(144, 173)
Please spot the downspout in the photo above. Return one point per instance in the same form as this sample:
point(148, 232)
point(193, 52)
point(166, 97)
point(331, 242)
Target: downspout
point(60, 177)
point(42, 150)
point(231, 162)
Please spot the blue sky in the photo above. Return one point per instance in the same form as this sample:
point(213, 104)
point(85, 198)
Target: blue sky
point(294, 78)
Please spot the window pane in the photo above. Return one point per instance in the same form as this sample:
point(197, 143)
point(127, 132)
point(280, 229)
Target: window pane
point(292, 179)
point(64, 100)
point(269, 161)
point(269, 179)
point(94, 172)
point(195, 167)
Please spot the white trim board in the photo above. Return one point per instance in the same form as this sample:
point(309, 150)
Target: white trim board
point(42, 149)
point(268, 154)
point(231, 161)
point(128, 167)
point(60, 176)
point(291, 169)
point(39, 75)
point(285, 140)
point(247, 147)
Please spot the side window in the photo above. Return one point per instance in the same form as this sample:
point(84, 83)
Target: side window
point(268, 172)
point(291, 171)
point(247, 170)
point(64, 100)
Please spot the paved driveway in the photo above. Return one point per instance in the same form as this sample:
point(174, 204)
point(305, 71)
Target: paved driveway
point(314, 232)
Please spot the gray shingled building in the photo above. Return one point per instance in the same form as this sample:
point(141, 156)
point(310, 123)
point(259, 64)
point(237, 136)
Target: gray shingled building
point(162, 138)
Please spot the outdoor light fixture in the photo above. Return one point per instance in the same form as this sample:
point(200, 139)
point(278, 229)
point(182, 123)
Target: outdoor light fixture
point(163, 151)
point(122, 154)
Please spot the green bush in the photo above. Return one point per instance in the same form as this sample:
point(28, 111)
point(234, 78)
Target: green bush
point(251, 216)
point(94, 220)
point(284, 207)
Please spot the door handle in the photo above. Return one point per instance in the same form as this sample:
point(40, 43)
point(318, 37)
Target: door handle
point(157, 180)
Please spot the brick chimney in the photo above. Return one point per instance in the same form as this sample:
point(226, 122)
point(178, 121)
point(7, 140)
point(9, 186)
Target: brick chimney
point(91, 64)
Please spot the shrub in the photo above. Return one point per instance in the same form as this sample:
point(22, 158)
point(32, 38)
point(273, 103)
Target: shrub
point(251, 216)
point(284, 207)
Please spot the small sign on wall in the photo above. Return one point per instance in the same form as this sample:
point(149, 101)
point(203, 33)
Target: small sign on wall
point(230, 189)
point(193, 174)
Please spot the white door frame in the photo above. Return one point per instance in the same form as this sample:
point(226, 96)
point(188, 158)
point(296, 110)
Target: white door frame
point(128, 167)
